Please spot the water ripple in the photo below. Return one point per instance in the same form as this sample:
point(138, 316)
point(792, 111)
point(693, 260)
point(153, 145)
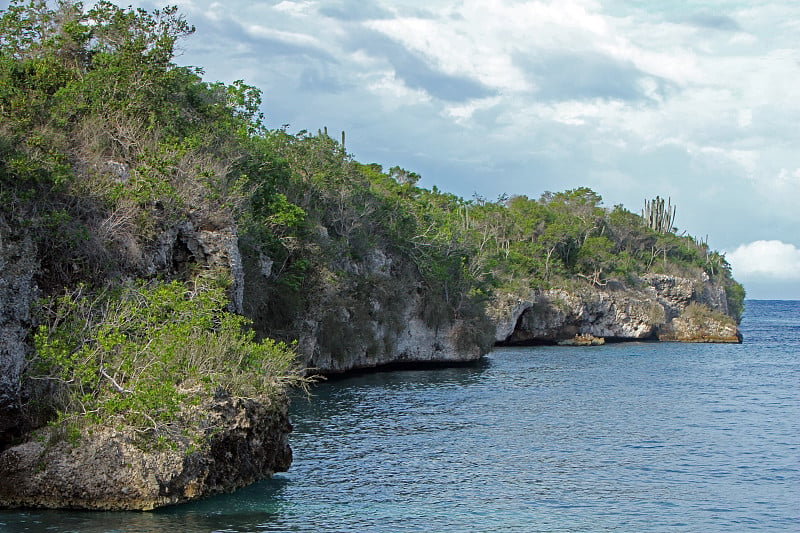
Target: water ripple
point(627, 437)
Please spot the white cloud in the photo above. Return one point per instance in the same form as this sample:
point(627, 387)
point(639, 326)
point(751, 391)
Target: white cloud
point(626, 97)
point(294, 8)
point(766, 259)
point(389, 86)
point(296, 38)
point(463, 112)
point(788, 178)
point(745, 118)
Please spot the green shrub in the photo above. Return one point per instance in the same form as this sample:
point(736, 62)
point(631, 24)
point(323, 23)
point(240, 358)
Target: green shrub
point(735, 294)
point(698, 313)
point(138, 353)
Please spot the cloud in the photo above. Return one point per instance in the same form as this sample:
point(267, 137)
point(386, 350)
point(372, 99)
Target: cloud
point(321, 79)
point(350, 11)
point(714, 22)
point(766, 259)
point(587, 75)
point(417, 71)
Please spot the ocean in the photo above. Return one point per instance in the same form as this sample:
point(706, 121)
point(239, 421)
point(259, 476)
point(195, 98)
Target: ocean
point(621, 437)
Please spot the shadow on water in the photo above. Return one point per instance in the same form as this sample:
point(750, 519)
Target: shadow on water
point(408, 379)
point(413, 371)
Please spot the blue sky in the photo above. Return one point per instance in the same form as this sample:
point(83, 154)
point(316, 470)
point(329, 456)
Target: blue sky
point(694, 100)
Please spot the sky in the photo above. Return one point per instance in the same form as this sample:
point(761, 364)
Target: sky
point(692, 100)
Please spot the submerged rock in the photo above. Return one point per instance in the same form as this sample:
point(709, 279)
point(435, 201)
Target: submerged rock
point(235, 442)
point(583, 340)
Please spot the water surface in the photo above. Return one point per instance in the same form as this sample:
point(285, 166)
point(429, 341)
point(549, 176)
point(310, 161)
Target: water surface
point(625, 437)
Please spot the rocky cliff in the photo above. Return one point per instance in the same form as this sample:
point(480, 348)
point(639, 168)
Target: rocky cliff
point(656, 306)
point(228, 443)
point(18, 266)
point(412, 341)
point(371, 312)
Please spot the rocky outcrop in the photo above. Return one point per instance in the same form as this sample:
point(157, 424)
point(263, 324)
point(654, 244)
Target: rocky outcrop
point(183, 246)
point(699, 323)
point(583, 340)
point(369, 313)
point(653, 308)
point(237, 443)
point(223, 444)
point(18, 265)
point(384, 343)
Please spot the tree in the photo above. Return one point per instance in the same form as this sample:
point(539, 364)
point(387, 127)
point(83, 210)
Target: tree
point(403, 176)
point(595, 257)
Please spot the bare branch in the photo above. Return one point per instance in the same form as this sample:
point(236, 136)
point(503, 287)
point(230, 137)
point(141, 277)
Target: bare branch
point(117, 386)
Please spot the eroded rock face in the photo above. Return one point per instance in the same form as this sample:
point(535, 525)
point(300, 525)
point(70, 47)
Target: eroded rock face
point(651, 310)
point(414, 342)
point(690, 328)
point(183, 246)
point(672, 293)
point(556, 315)
point(372, 312)
point(18, 265)
point(245, 441)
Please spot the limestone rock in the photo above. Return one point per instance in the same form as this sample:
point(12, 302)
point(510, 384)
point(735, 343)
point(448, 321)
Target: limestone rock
point(369, 312)
point(110, 469)
point(183, 246)
point(698, 323)
point(671, 292)
point(583, 340)
point(649, 309)
point(409, 340)
point(18, 265)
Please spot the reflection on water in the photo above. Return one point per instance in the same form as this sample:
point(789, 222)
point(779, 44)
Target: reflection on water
point(623, 437)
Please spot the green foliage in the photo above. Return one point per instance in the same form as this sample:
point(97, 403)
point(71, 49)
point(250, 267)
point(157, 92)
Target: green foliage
point(140, 352)
point(594, 256)
point(735, 294)
point(99, 125)
point(105, 144)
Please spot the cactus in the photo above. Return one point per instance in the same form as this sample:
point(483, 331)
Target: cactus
point(657, 216)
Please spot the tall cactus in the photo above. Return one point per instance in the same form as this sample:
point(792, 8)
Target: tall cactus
point(658, 216)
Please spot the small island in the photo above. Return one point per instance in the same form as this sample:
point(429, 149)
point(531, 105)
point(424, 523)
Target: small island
point(170, 266)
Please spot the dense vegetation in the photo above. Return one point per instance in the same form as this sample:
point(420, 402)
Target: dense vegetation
point(137, 353)
point(105, 143)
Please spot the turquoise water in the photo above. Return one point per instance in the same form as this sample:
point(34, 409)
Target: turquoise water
point(626, 437)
